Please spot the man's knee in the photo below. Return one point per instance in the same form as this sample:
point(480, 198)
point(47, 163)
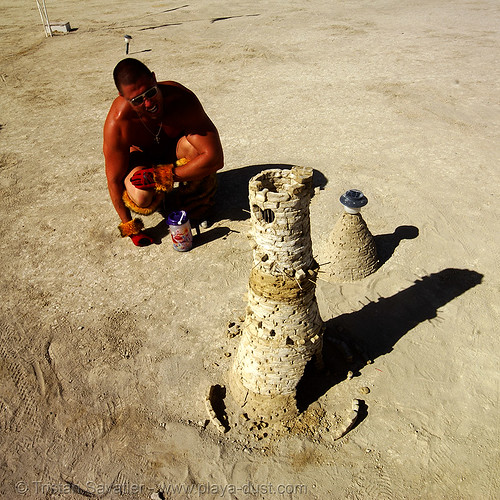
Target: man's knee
point(140, 197)
point(185, 149)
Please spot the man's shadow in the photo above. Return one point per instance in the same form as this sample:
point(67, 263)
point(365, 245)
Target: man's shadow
point(232, 193)
point(231, 202)
point(352, 339)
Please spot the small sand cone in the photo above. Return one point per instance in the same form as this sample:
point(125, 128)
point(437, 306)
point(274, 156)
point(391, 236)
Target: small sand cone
point(350, 253)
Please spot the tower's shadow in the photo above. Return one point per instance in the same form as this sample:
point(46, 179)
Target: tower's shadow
point(374, 329)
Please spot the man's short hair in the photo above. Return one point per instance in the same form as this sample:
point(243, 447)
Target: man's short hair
point(128, 71)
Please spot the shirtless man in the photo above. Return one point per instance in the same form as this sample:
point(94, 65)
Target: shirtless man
point(155, 134)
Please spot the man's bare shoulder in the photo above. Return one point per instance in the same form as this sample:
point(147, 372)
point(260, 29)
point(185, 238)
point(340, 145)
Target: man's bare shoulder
point(182, 104)
point(176, 92)
point(119, 111)
point(118, 121)
point(175, 85)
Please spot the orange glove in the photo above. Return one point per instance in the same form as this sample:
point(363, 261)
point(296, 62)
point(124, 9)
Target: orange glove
point(160, 177)
point(133, 229)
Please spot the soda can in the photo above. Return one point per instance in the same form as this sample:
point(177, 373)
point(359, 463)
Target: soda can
point(180, 230)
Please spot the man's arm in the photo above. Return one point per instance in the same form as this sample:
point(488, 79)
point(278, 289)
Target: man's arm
point(201, 145)
point(116, 156)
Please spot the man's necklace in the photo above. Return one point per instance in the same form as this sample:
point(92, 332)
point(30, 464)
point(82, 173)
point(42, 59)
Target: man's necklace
point(157, 135)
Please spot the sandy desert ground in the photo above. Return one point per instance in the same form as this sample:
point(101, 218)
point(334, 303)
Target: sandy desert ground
point(107, 350)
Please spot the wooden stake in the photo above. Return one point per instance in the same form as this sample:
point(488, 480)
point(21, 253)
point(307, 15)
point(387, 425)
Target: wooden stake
point(45, 18)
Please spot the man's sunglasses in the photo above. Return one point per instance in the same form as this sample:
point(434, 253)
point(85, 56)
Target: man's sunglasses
point(148, 94)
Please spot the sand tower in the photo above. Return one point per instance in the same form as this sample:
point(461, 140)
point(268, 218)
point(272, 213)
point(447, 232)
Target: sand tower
point(282, 331)
point(350, 253)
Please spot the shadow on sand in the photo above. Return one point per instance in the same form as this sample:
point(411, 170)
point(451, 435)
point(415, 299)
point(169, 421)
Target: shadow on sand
point(200, 236)
point(375, 329)
point(231, 202)
point(387, 243)
point(232, 195)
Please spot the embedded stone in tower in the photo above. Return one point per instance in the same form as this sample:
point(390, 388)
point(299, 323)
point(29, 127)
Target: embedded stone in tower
point(283, 329)
point(350, 253)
